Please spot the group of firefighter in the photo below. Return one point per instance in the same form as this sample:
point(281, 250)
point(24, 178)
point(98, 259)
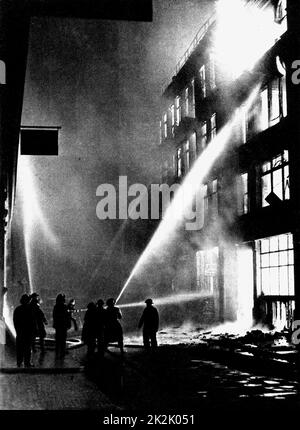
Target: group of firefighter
point(101, 326)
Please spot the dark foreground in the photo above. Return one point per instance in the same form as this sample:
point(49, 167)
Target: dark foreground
point(177, 379)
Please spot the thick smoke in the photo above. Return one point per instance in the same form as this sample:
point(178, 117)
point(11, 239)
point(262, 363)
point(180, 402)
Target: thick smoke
point(99, 81)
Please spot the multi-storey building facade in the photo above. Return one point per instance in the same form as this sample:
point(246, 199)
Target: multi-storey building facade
point(247, 256)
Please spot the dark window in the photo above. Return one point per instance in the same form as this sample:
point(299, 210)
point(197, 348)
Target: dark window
point(39, 142)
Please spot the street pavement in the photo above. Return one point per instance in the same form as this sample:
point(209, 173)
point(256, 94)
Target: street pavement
point(51, 385)
point(179, 378)
point(176, 378)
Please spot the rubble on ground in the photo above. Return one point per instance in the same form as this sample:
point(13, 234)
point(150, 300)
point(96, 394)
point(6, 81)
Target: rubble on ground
point(258, 343)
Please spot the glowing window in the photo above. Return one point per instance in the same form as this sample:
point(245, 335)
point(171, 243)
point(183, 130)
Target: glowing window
point(186, 101)
point(275, 178)
point(214, 185)
point(243, 195)
point(172, 109)
point(192, 100)
point(276, 265)
point(264, 109)
point(277, 100)
point(179, 162)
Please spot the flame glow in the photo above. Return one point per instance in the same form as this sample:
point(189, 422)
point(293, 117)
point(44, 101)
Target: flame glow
point(245, 32)
point(33, 217)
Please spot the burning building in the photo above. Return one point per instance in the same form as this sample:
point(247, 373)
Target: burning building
point(246, 256)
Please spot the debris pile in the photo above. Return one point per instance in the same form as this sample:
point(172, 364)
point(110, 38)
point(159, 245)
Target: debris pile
point(257, 343)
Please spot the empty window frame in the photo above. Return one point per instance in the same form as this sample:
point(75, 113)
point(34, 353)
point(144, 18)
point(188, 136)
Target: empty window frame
point(268, 109)
point(264, 114)
point(276, 265)
point(277, 100)
point(211, 200)
point(275, 178)
point(213, 126)
point(205, 198)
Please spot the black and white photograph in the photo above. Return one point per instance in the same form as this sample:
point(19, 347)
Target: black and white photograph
point(150, 211)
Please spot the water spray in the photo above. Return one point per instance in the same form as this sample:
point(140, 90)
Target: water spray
point(33, 216)
point(168, 300)
point(244, 33)
point(191, 185)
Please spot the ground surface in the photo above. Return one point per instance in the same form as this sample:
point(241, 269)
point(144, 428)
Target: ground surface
point(177, 378)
